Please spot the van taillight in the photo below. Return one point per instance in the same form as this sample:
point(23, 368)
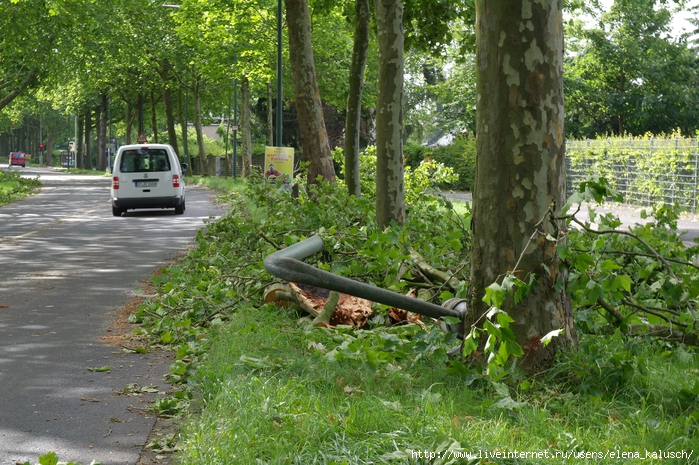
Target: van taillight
point(115, 182)
point(175, 180)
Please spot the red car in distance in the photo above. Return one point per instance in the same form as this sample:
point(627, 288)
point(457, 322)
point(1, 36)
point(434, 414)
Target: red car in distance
point(18, 158)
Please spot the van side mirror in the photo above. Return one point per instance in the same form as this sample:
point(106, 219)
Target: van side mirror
point(185, 167)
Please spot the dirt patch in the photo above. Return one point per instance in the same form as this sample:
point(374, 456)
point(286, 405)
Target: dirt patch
point(122, 333)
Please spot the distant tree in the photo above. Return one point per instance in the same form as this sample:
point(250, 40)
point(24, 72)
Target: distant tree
point(309, 107)
point(629, 74)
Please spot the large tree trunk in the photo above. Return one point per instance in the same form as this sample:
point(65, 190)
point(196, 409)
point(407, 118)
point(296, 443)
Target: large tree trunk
point(128, 117)
point(520, 169)
point(170, 118)
point(354, 97)
point(164, 72)
point(246, 130)
point(309, 107)
point(153, 117)
point(80, 150)
point(204, 161)
point(184, 125)
point(88, 141)
point(102, 134)
point(49, 150)
point(390, 198)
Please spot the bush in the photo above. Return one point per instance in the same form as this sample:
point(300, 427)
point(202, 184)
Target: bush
point(460, 155)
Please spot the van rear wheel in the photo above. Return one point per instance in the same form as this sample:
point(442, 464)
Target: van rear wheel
point(180, 208)
point(118, 211)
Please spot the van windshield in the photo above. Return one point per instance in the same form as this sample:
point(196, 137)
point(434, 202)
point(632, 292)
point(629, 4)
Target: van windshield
point(144, 160)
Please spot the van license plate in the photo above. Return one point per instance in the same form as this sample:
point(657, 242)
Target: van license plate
point(146, 183)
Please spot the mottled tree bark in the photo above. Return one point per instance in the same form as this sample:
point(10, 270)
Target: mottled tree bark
point(102, 134)
point(354, 97)
point(309, 107)
point(170, 117)
point(184, 124)
point(520, 168)
point(128, 119)
point(153, 117)
point(80, 149)
point(88, 135)
point(245, 129)
point(203, 159)
point(49, 149)
point(390, 199)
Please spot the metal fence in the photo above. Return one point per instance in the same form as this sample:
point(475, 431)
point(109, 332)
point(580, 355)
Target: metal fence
point(644, 172)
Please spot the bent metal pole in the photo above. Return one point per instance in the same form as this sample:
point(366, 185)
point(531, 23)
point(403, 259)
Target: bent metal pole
point(286, 264)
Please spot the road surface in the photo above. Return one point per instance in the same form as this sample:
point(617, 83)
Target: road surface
point(66, 266)
point(687, 225)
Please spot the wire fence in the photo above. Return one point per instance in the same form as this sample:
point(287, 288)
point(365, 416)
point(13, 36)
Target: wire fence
point(644, 171)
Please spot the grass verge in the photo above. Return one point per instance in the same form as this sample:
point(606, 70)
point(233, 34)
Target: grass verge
point(273, 392)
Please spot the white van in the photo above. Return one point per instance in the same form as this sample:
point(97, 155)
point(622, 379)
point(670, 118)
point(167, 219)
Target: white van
point(147, 176)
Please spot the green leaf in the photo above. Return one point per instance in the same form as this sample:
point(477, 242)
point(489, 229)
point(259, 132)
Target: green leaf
point(583, 261)
point(508, 403)
point(492, 329)
point(609, 265)
point(100, 369)
point(514, 349)
point(470, 343)
point(501, 389)
point(549, 336)
point(494, 295)
point(48, 459)
point(623, 282)
point(504, 319)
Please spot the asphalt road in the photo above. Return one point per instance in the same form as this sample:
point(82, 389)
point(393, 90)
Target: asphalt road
point(66, 266)
point(688, 224)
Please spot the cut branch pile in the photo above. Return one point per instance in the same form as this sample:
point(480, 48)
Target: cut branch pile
point(330, 309)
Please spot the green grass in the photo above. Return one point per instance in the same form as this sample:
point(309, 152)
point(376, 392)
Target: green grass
point(13, 187)
point(269, 395)
point(222, 184)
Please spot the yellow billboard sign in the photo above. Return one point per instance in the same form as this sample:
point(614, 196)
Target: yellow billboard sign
point(279, 167)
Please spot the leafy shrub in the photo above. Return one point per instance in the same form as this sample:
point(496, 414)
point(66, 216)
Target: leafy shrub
point(14, 187)
point(428, 175)
point(460, 156)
